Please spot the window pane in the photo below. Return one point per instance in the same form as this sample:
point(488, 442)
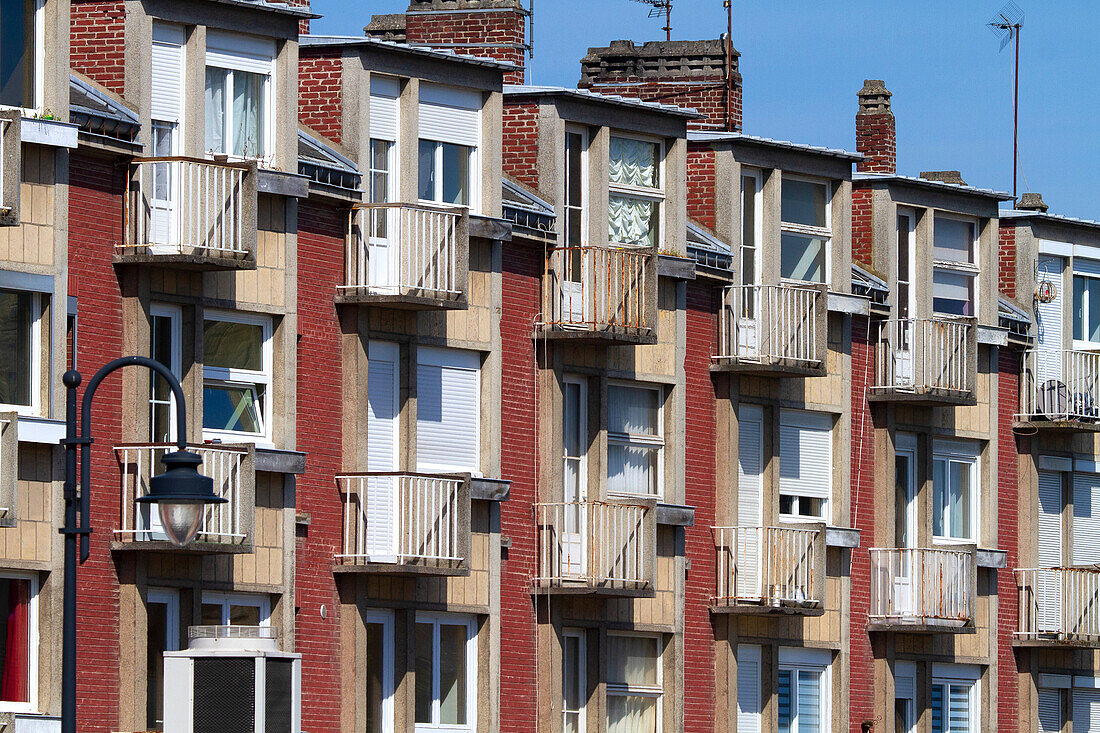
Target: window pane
point(960, 499)
point(233, 345)
point(954, 240)
point(748, 230)
point(426, 165)
point(939, 497)
point(161, 394)
point(632, 221)
point(631, 660)
point(1080, 285)
point(631, 714)
point(452, 674)
point(804, 202)
point(572, 677)
point(901, 500)
point(376, 693)
point(212, 614)
point(802, 258)
point(952, 292)
point(809, 701)
point(227, 407)
point(959, 716)
point(16, 311)
point(574, 152)
point(244, 615)
point(156, 645)
point(631, 469)
point(425, 672)
point(937, 709)
point(1093, 318)
point(215, 109)
point(456, 174)
point(248, 114)
point(17, 53)
point(632, 410)
point(15, 602)
point(633, 162)
point(785, 712)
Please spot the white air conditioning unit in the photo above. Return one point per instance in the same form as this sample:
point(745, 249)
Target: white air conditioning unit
point(232, 679)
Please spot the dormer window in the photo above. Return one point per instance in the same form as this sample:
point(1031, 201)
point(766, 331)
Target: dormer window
point(238, 95)
point(954, 266)
point(806, 230)
point(634, 192)
point(22, 47)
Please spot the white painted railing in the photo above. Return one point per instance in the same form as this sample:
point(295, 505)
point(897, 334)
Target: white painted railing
point(773, 565)
point(404, 518)
point(595, 288)
point(596, 544)
point(1059, 604)
point(405, 249)
point(919, 355)
point(917, 586)
point(769, 323)
point(221, 523)
point(1060, 384)
point(187, 206)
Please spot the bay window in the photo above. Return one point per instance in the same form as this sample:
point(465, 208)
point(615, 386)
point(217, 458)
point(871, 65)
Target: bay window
point(449, 129)
point(20, 317)
point(445, 673)
point(803, 690)
point(954, 699)
point(235, 609)
point(635, 191)
point(804, 230)
point(1086, 302)
point(634, 683)
point(805, 464)
point(18, 642)
point(237, 376)
point(238, 91)
point(635, 440)
point(954, 266)
point(22, 53)
point(955, 490)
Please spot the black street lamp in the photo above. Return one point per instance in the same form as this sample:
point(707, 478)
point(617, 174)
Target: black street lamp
point(180, 493)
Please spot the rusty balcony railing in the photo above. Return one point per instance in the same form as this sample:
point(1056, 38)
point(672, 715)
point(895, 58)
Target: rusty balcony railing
point(770, 566)
point(405, 519)
point(596, 545)
point(921, 356)
point(1059, 604)
point(930, 587)
point(1060, 385)
point(599, 289)
point(772, 324)
point(230, 467)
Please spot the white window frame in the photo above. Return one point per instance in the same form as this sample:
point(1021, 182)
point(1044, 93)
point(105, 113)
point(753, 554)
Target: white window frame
point(473, 184)
point(449, 619)
point(758, 224)
point(972, 269)
point(245, 377)
point(906, 670)
point(227, 121)
point(649, 442)
point(253, 600)
point(824, 233)
point(1081, 344)
point(951, 451)
point(385, 619)
point(911, 235)
point(959, 674)
point(795, 660)
point(174, 314)
point(582, 422)
point(582, 678)
point(585, 198)
point(39, 52)
point(905, 444)
point(25, 283)
point(31, 705)
point(656, 691)
point(656, 195)
point(826, 503)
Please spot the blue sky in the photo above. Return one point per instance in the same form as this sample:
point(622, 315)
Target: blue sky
point(803, 62)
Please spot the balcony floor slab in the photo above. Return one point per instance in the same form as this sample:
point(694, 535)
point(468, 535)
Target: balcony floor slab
point(193, 262)
point(920, 626)
point(930, 396)
point(769, 368)
point(609, 337)
point(401, 302)
point(1055, 642)
point(588, 590)
point(382, 568)
point(1056, 426)
point(762, 609)
point(195, 548)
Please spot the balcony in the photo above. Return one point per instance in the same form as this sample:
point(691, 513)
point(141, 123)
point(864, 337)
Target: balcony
point(190, 213)
point(10, 167)
point(411, 256)
point(600, 294)
point(932, 361)
point(405, 523)
point(1058, 606)
point(1059, 389)
point(769, 569)
point(922, 589)
point(596, 547)
point(779, 330)
point(225, 527)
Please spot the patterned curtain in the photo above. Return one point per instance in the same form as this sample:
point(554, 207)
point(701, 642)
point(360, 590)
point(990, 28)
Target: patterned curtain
point(633, 162)
point(632, 221)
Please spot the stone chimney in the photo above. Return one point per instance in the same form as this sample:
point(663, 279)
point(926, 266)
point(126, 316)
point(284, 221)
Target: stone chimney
point(952, 177)
point(702, 75)
point(875, 134)
point(1032, 202)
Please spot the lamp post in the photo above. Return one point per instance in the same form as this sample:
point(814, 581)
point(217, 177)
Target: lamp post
point(180, 493)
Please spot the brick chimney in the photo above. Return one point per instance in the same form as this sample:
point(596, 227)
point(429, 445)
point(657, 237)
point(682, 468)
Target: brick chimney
point(875, 135)
point(953, 177)
point(487, 28)
point(1032, 202)
point(699, 74)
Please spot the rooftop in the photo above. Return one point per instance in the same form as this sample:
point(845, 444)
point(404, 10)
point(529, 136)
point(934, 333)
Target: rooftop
point(97, 111)
point(313, 41)
point(550, 91)
point(298, 11)
point(718, 136)
point(1017, 214)
point(926, 183)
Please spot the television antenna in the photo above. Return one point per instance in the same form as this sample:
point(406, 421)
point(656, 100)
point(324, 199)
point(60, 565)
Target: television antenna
point(1006, 25)
point(657, 9)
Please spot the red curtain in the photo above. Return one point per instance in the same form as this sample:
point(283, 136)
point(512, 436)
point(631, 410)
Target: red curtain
point(13, 681)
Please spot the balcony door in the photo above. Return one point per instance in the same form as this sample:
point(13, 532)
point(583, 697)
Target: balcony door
point(167, 102)
point(750, 501)
point(1049, 378)
point(574, 476)
point(383, 249)
point(1048, 597)
point(577, 266)
point(747, 306)
point(905, 516)
point(383, 368)
point(906, 307)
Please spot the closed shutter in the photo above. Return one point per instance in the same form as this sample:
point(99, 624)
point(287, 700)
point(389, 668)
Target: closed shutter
point(1050, 711)
point(750, 488)
point(1049, 317)
point(806, 453)
point(748, 688)
point(449, 115)
point(447, 410)
point(384, 92)
point(1082, 266)
point(382, 434)
point(905, 681)
point(237, 51)
point(1050, 519)
point(167, 72)
point(1086, 710)
point(1086, 518)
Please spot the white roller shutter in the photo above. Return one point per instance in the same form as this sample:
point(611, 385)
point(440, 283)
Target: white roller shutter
point(1086, 710)
point(1086, 518)
point(750, 487)
point(905, 681)
point(1082, 266)
point(806, 453)
point(447, 410)
point(1049, 317)
point(449, 115)
point(383, 369)
point(237, 51)
point(384, 92)
point(1050, 711)
point(1050, 519)
point(167, 72)
point(748, 688)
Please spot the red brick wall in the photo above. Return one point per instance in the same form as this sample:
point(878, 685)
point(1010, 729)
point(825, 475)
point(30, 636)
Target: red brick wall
point(862, 227)
point(705, 95)
point(97, 41)
point(1008, 513)
point(521, 142)
point(504, 30)
point(876, 139)
point(702, 185)
point(95, 225)
point(1006, 261)
point(320, 413)
point(320, 104)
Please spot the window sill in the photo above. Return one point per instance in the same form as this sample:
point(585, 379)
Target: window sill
point(48, 132)
point(35, 429)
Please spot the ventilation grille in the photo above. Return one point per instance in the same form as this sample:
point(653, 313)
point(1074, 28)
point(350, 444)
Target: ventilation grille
point(225, 691)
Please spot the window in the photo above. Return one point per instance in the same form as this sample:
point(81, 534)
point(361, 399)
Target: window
point(236, 389)
point(20, 318)
point(805, 230)
point(954, 699)
point(633, 683)
point(381, 184)
point(576, 179)
point(751, 204)
point(574, 681)
point(449, 129)
point(235, 609)
point(379, 676)
point(19, 635)
point(22, 52)
point(905, 490)
point(382, 179)
point(162, 612)
point(635, 440)
point(1086, 302)
point(446, 673)
point(905, 697)
point(445, 172)
point(165, 336)
point(955, 266)
point(955, 490)
point(635, 192)
point(803, 691)
point(238, 104)
point(805, 464)
point(748, 688)
point(1085, 704)
point(905, 278)
point(448, 410)
point(1050, 711)
point(1085, 517)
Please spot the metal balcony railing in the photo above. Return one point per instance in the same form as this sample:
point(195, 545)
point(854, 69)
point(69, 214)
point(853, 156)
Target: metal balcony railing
point(221, 523)
point(192, 206)
point(406, 249)
point(921, 586)
point(775, 566)
point(772, 323)
point(1060, 385)
point(1059, 604)
point(921, 355)
point(589, 288)
point(404, 518)
point(597, 545)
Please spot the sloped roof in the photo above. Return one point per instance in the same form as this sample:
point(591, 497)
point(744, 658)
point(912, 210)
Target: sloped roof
point(941, 185)
point(1042, 216)
point(322, 163)
point(524, 206)
point(97, 112)
point(721, 136)
point(585, 94)
point(312, 41)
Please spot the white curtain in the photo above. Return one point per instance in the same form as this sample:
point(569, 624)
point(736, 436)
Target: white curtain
point(631, 220)
point(631, 469)
point(248, 114)
point(631, 714)
point(215, 109)
point(632, 660)
point(633, 162)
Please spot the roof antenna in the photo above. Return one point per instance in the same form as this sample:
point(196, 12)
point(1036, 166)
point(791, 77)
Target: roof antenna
point(659, 8)
point(1006, 25)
